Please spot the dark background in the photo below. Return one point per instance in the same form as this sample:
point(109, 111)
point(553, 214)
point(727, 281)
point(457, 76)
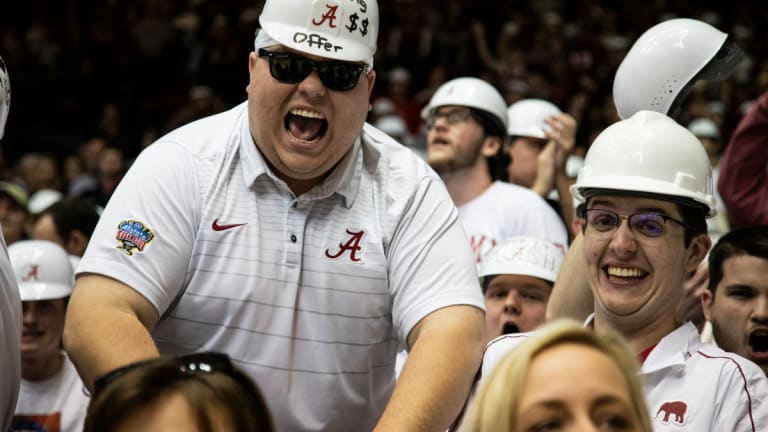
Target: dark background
point(124, 69)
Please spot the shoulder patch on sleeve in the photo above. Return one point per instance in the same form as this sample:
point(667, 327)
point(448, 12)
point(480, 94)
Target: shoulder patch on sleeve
point(133, 235)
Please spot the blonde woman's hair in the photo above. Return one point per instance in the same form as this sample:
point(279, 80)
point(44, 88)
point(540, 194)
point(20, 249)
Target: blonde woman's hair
point(495, 406)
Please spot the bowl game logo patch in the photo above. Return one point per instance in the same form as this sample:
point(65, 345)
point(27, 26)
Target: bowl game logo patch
point(133, 236)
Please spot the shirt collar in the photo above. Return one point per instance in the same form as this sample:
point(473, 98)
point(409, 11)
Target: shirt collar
point(673, 349)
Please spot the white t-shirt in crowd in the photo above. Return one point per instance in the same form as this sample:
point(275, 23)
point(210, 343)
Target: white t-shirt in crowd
point(58, 403)
point(313, 295)
point(505, 210)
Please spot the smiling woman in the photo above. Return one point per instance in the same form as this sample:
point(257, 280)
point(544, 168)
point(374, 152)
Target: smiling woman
point(564, 377)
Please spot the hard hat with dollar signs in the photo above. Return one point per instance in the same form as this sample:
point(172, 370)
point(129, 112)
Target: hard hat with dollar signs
point(666, 60)
point(42, 268)
point(338, 29)
point(648, 153)
point(5, 96)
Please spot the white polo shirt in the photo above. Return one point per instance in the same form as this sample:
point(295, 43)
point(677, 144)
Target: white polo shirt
point(505, 210)
point(311, 295)
point(689, 385)
point(10, 332)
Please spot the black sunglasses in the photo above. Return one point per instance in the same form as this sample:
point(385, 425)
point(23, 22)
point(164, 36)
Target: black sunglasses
point(292, 68)
point(190, 364)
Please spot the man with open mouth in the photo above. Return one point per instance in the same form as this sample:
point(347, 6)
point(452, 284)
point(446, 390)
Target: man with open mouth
point(517, 277)
point(736, 302)
point(307, 245)
point(466, 123)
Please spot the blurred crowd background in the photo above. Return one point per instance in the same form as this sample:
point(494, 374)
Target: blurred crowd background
point(96, 81)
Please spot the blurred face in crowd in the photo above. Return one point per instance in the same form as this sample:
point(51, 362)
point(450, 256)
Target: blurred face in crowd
point(43, 324)
point(111, 163)
point(44, 228)
point(456, 141)
point(172, 412)
point(13, 218)
point(304, 129)
point(515, 303)
point(525, 157)
point(738, 310)
point(636, 278)
point(573, 387)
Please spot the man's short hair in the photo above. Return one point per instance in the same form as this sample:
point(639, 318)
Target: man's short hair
point(752, 241)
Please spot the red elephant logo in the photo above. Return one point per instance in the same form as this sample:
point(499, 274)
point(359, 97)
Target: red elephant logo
point(678, 408)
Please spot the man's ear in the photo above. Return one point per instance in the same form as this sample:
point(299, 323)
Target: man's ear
point(491, 146)
point(76, 243)
point(706, 303)
point(697, 252)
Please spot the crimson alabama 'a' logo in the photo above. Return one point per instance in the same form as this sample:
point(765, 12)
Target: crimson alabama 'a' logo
point(352, 245)
point(31, 274)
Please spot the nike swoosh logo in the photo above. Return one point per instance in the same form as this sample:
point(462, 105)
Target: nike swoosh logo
point(216, 227)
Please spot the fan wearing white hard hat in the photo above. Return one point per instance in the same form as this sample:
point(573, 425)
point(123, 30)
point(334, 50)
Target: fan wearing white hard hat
point(458, 102)
point(286, 232)
point(517, 277)
point(44, 276)
point(541, 142)
point(655, 75)
point(10, 304)
point(645, 191)
point(466, 123)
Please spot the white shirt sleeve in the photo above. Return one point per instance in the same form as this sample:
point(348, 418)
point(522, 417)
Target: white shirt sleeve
point(161, 192)
point(431, 262)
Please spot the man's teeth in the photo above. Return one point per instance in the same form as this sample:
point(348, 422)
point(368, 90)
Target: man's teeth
point(307, 113)
point(625, 272)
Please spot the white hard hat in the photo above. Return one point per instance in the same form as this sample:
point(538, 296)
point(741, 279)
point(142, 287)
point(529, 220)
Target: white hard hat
point(648, 152)
point(469, 92)
point(666, 59)
point(528, 256)
point(703, 127)
point(392, 125)
point(527, 117)
point(42, 268)
point(42, 199)
point(342, 30)
point(5, 96)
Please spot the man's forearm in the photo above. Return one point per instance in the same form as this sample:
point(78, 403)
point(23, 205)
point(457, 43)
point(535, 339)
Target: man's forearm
point(104, 329)
point(571, 296)
point(96, 349)
point(438, 374)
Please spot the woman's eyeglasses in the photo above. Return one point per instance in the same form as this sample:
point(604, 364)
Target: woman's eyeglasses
point(648, 224)
point(190, 364)
point(291, 68)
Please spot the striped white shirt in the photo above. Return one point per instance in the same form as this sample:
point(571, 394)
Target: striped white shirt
point(311, 295)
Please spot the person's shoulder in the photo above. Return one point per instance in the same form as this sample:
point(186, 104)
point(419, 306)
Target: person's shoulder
point(498, 348)
point(398, 160)
point(715, 357)
point(207, 133)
